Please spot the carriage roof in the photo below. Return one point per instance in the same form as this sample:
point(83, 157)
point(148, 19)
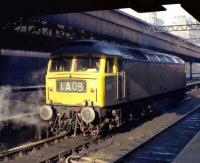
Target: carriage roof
point(101, 47)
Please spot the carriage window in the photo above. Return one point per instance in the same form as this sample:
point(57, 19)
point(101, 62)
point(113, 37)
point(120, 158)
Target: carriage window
point(120, 65)
point(61, 64)
point(109, 65)
point(91, 64)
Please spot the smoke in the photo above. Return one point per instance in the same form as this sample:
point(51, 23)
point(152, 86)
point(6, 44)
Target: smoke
point(20, 107)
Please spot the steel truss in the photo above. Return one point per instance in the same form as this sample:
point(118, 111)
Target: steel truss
point(194, 40)
point(175, 28)
point(39, 27)
point(37, 34)
point(172, 28)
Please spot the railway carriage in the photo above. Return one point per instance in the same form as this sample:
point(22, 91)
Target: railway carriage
point(88, 84)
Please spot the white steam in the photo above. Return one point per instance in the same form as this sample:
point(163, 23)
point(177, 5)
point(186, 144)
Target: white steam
point(20, 107)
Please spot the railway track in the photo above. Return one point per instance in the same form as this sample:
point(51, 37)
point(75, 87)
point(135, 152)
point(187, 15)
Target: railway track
point(60, 147)
point(165, 146)
point(48, 150)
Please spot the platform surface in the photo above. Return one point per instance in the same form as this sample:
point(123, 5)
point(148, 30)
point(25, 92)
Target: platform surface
point(192, 82)
point(191, 152)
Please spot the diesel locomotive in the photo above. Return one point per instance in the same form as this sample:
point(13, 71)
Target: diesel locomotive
point(89, 83)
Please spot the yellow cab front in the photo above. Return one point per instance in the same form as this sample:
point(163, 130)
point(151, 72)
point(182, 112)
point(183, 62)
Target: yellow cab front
point(74, 80)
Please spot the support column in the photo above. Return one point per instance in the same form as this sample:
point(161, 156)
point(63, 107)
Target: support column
point(190, 70)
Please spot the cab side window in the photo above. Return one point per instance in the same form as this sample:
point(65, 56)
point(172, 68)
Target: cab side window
point(109, 65)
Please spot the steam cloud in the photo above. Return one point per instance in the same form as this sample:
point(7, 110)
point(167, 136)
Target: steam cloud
point(15, 106)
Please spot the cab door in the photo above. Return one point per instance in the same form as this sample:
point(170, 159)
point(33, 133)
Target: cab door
point(110, 81)
point(121, 80)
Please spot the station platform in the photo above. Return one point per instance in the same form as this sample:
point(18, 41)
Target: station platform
point(192, 82)
point(191, 152)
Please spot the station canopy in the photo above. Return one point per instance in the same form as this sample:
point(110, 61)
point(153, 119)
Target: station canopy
point(11, 9)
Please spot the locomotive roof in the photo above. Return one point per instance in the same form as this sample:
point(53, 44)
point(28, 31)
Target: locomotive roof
point(101, 47)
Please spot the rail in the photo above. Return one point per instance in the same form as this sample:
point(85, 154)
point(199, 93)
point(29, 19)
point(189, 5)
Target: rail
point(50, 149)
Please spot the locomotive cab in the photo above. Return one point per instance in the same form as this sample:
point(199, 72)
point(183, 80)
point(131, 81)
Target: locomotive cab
point(80, 80)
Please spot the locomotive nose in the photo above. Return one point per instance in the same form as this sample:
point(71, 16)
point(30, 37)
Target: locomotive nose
point(46, 112)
